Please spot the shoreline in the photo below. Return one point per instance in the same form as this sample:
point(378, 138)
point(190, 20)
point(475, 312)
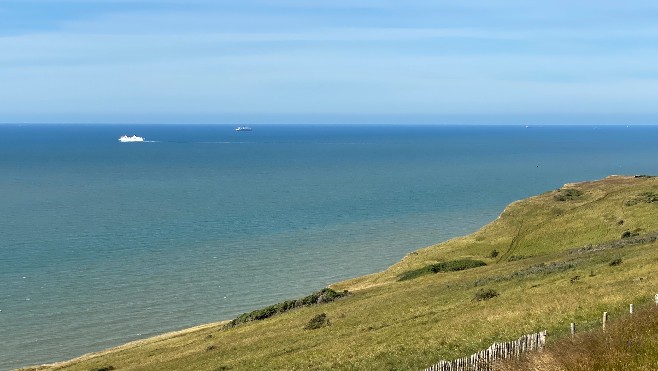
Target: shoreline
point(132, 344)
point(614, 186)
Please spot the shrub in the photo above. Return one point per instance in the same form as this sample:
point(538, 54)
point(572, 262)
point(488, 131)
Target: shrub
point(318, 321)
point(456, 265)
point(628, 234)
point(615, 262)
point(409, 275)
point(493, 254)
point(325, 295)
point(450, 266)
point(485, 294)
point(567, 194)
point(106, 368)
point(644, 197)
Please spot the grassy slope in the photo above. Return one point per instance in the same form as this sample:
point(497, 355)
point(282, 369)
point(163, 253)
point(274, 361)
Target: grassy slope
point(412, 324)
point(629, 343)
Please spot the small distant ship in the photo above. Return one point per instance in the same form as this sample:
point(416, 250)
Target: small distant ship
point(134, 138)
point(243, 128)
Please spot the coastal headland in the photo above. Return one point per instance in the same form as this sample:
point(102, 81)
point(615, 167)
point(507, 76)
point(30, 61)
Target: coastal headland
point(564, 256)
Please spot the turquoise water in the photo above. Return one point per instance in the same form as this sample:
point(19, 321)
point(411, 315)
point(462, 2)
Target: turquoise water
point(106, 242)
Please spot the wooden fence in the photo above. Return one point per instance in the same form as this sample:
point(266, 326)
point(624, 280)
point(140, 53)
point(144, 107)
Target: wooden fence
point(484, 359)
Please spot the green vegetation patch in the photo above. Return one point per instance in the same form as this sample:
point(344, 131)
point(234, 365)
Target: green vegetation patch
point(317, 322)
point(567, 194)
point(644, 197)
point(325, 295)
point(449, 266)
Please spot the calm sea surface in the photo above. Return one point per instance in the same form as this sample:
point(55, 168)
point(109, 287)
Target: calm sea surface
point(105, 242)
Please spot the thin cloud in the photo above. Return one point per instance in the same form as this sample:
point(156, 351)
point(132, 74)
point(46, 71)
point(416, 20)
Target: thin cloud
point(340, 56)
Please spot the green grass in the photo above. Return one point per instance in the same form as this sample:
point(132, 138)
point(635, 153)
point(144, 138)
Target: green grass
point(388, 323)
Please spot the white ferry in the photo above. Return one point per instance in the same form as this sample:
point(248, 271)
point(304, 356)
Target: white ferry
point(134, 138)
point(243, 128)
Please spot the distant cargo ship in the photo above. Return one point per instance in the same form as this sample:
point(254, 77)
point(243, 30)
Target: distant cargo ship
point(134, 138)
point(243, 128)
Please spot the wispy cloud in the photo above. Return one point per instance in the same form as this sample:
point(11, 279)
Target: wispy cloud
point(341, 56)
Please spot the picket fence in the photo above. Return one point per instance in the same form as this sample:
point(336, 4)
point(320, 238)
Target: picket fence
point(484, 359)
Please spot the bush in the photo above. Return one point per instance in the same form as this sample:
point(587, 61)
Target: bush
point(567, 194)
point(485, 294)
point(456, 265)
point(450, 266)
point(628, 234)
point(493, 254)
point(409, 275)
point(318, 321)
point(644, 197)
point(106, 368)
point(615, 262)
point(325, 295)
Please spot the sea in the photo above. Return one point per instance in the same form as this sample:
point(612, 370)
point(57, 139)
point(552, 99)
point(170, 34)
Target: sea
point(103, 242)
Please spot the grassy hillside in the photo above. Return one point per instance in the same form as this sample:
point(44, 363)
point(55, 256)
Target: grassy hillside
point(563, 256)
point(630, 343)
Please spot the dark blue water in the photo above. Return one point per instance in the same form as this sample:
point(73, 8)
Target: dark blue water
point(105, 242)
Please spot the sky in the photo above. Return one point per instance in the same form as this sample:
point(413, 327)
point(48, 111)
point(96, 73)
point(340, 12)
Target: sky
point(352, 61)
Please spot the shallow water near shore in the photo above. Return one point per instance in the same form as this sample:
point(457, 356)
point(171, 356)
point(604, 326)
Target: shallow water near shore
point(106, 242)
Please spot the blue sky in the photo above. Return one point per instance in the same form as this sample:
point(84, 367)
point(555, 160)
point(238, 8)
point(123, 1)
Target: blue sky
point(409, 61)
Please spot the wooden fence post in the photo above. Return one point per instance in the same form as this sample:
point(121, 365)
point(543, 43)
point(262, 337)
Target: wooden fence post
point(605, 319)
point(631, 308)
point(573, 329)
